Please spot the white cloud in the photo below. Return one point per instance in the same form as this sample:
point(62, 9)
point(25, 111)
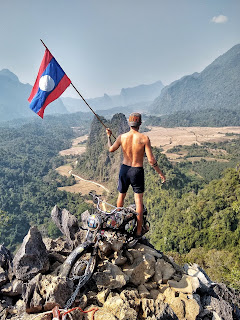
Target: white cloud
point(219, 19)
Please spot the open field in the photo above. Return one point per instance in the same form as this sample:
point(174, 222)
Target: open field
point(82, 186)
point(77, 148)
point(167, 138)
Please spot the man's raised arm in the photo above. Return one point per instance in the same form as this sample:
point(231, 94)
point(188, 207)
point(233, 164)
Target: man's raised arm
point(152, 161)
point(117, 143)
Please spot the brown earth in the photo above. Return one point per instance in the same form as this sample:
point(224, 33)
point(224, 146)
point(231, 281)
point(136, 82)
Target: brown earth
point(167, 138)
point(77, 148)
point(83, 187)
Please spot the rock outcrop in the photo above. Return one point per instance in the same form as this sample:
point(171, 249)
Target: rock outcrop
point(142, 284)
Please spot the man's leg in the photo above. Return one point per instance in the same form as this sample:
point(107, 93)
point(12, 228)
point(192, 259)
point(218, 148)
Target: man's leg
point(138, 197)
point(120, 200)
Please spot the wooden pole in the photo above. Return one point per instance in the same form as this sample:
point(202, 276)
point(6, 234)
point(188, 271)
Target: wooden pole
point(82, 97)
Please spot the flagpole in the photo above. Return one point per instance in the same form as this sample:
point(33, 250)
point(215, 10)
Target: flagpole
point(82, 97)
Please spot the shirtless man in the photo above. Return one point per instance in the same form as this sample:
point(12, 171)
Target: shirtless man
point(134, 144)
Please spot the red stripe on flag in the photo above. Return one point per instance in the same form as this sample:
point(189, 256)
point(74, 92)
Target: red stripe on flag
point(61, 87)
point(45, 61)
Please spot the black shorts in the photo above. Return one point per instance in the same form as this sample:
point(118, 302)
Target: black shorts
point(133, 176)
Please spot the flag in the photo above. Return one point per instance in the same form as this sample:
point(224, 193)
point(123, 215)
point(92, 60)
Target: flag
point(51, 82)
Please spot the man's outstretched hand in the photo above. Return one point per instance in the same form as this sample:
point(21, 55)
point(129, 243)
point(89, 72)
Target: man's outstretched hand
point(109, 132)
point(163, 178)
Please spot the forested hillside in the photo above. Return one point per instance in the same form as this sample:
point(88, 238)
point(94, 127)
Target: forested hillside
point(217, 86)
point(201, 118)
point(97, 163)
point(28, 181)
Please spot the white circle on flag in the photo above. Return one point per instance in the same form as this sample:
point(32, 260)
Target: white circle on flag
point(46, 83)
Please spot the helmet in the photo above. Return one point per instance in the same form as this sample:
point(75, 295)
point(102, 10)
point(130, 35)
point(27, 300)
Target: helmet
point(94, 222)
point(135, 119)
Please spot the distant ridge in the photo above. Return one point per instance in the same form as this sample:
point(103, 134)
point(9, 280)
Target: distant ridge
point(128, 96)
point(217, 86)
point(13, 99)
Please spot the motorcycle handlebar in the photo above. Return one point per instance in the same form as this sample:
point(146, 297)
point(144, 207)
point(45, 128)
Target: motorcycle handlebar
point(97, 201)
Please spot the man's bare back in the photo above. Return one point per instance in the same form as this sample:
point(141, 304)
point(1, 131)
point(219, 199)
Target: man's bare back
point(133, 147)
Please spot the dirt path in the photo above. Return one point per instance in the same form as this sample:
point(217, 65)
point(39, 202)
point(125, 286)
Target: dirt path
point(82, 186)
point(90, 181)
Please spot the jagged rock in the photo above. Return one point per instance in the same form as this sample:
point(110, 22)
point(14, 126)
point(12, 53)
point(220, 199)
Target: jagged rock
point(143, 291)
point(14, 288)
point(36, 303)
point(163, 311)
point(131, 296)
point(92, 297)
point(145, 249)
point(175, 303)
point(32, 256)
point(141, 270)
point(56, 257)
point(148, 286)
point(187, 284)
point(111, 276)
point(163, 271)
point(100, 314)
point(58, 245)
point(28, 291)
point(119, 259)
point(151, 285)
point(148, 308)
point(55, 291)
point(120, 309)
point(3, 276)
point(192, 306)
point(154, 293)
point(5, 305)
point(5, 257)
point(116, 245)
point(102, 296)
point(195, 271)
point(105, 248)
point(67, 224)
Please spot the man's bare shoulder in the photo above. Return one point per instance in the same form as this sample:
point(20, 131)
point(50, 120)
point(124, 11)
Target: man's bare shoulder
point(144, 137)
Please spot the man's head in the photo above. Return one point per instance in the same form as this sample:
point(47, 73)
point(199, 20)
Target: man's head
point(135, 120)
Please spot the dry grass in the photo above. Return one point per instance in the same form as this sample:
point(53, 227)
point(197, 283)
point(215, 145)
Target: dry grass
point(167, 138)
point(76, 148)
point(83, 187)
point(64, 170)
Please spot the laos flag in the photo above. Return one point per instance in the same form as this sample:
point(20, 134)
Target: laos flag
point(51, 82)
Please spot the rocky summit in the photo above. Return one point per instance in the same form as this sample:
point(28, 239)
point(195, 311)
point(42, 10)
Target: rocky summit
point(140, 283)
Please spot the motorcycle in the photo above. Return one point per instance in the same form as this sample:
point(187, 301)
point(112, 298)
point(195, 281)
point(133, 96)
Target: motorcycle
point(103, 226)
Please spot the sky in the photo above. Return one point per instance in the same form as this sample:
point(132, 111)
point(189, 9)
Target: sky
point(106, 45)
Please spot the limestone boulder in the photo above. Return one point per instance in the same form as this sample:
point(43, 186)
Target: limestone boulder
point(119, 308)
point(14, 288)
point(68, 224)
point(110, 276)
point(164, 271)
point(58, 245)
point(187, 284)
point(32, 256)
point(54, 291)
point(142, 269)
point(146, 249)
